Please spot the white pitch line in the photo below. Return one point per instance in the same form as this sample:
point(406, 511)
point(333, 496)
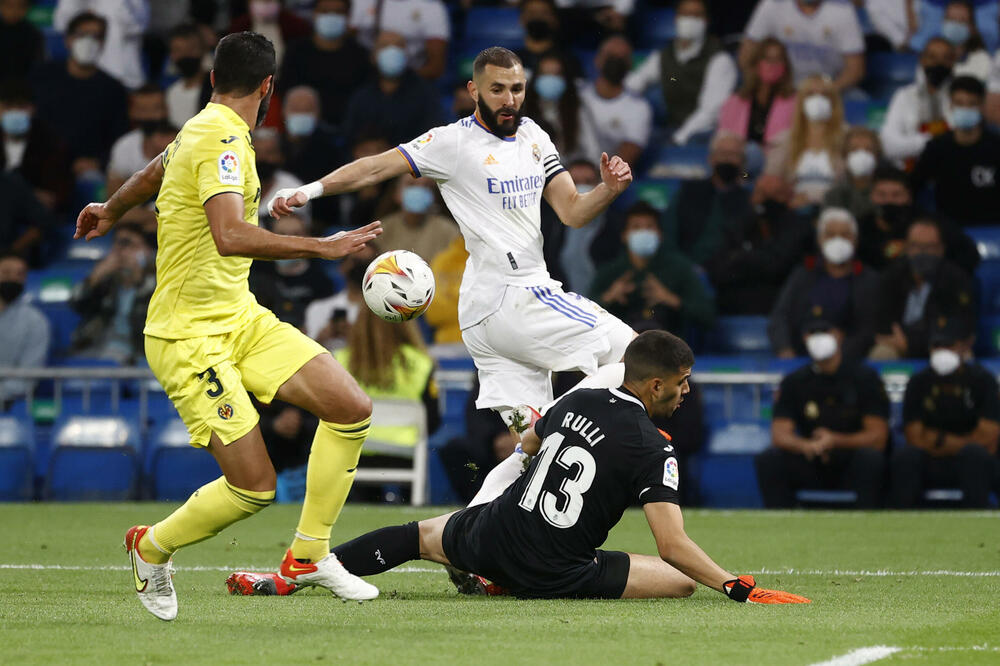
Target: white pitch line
point(865, 655)
point(876, 572)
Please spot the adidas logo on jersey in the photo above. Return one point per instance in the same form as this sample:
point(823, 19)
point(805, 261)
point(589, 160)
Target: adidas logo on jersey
point(490, 160)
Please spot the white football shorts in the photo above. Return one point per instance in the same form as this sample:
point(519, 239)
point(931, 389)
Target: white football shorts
point(537, 331)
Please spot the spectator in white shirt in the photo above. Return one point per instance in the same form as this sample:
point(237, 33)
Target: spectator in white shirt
point(147, 113)
point(273, 177)
point(622, 120)
point(822, 37)
point(694, 73)
point(895, 20)
point(553, 102)
point(127, 21)
point(959, 28)
point(610, 16)
point(919, 111)
point(424, 24)
point(187, 51)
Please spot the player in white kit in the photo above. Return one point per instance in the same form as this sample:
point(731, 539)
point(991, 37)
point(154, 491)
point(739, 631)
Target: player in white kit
point(493, 169)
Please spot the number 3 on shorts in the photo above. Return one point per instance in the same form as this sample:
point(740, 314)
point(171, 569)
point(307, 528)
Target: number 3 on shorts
point(216, 386)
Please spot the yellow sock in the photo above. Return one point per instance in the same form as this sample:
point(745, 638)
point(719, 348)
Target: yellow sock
point(333, 462)
point(211, 508)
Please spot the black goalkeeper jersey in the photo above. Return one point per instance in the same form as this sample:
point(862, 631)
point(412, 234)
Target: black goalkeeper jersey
point(600, 453)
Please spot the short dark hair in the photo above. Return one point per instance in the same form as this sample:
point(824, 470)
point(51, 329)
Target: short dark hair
point(497, 56)
point(147, 89)
point(887, 172)
point(11, 254)
point(185, 31)
point(969, 84)
point(927, 220)
point(86, 17)
point(15, 91)
point(641, 208)
point(242, 61)
point(656, 354)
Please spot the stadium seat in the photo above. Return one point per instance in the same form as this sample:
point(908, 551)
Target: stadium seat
point(17, 446)
point(742, 334)
point(399, 413)
point(684, 162)
point(496, 25)
point(888, 71)
point(987, 240)
point(736, 437)
point(55, 46)
point(175, 469)
point(655, 29)
point(657, 193)
point(728, 481)
point(93, 458)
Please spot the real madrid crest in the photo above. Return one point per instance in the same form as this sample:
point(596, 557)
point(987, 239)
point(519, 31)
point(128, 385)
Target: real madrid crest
point(536, 152)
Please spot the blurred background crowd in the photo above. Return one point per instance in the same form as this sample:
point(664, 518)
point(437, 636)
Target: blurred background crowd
point(813, 178)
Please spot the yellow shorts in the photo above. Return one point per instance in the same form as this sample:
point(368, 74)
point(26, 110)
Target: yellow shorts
point(208, 378)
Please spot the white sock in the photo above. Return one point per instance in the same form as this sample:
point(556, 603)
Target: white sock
point(500, 477)
point(611, 375)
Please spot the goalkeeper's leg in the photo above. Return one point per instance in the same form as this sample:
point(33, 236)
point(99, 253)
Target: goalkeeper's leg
point(650, 577)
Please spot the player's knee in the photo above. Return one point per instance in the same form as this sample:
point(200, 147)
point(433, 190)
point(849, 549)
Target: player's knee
point(351, 406)
point(261, 480)
point(685, 588)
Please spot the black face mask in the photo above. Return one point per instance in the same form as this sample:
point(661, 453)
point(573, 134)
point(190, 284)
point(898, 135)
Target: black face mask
point(147, 127)
point(538, 29)
point(925, 265)
point(10, 290)
point(265, 170)
point(356, 273)
point(264, 104)
point(773, 210)
point(615, 69)
point(897, 216)
point(493, 124)
point(188, 67)
point(728, 172)
point(937, 74)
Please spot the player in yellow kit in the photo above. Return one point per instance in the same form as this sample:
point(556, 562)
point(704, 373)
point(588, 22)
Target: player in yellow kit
point(209, 343)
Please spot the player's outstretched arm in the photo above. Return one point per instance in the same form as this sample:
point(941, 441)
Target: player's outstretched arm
point(348, 178)
point(677, 549)
point(234, 237)
point(576, 209)
point(96, 219)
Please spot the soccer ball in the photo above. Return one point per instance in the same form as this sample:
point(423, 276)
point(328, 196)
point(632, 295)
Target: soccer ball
point(398, 286)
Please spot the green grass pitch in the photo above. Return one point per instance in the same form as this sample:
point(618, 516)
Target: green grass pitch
point(928, 583)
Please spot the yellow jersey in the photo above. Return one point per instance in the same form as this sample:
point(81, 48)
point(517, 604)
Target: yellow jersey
point(198, 291)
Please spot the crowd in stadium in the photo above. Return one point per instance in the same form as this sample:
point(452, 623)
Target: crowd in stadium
point(828, 165)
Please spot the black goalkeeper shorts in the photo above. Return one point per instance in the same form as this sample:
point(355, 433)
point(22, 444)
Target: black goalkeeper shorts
point(470, 545)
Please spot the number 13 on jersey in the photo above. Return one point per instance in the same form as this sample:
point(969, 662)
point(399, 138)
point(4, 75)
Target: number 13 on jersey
point(581, 468)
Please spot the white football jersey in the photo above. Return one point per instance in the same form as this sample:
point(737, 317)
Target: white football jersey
point(493, 188)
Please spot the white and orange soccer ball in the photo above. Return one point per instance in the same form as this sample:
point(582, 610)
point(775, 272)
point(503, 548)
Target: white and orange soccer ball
point(398, 286)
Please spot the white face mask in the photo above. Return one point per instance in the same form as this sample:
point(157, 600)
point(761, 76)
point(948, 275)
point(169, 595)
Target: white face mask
point(817, 107)
point(837, 250)
point(945, 361)
point(821, 346)
point(861, 163)
point(85, 50)
point(689, 27)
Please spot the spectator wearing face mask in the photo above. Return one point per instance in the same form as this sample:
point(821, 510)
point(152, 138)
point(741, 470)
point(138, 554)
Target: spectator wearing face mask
point(271, 171)
point(288, 286)
point(650, 286)
point(114, 298)
point(398, 101)
point(79, 100)
point(693, 71)
point(120, 54)
point(622, 121)
point(919, 111)
point(963, 165)
point(147, 112)
point(423, 24)
point(823, 38)
point(22, 45)
point(861, 153)
point(758, 252)
point(916, 290)
point(416, 225)
point(329, 320)
point(543, 37)
point(24, 330)
point(269, 18)
point(883, 233)
point(553, 102)
point(951, 421)
point(702, 211)
point(329, 61)
point(761, 111)
point(31, 149)
point(310, 147)
point(830, 427)
point(187, 53)
point(959, 28)
point(836, 287)
point(809, 157)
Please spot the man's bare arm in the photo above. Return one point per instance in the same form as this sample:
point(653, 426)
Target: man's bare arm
point(96, 219)
point(576, 209)
point(677, 549)
point(234, 237)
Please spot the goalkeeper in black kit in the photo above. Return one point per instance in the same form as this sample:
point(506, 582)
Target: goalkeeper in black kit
point(596, 452)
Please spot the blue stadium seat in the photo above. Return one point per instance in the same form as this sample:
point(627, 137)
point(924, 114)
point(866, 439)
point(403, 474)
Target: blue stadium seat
point(742, 334)
point(496, 25)
point(988, 336)
point(987, 241)
point(740, 438)
point(93, 458)
point(728, 481)
point(988, 279)
point(682, 162)
point(888, 71)
point(656, 28)
point(656, 193)
point(17, 446)
point(55, 46)
point(174, 467)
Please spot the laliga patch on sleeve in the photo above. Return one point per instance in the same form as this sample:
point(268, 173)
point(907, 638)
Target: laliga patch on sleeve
point(229, 168)
point(671, 474)
point(422, 141)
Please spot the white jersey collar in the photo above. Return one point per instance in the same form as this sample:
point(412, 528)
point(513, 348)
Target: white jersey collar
point(627, 396)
